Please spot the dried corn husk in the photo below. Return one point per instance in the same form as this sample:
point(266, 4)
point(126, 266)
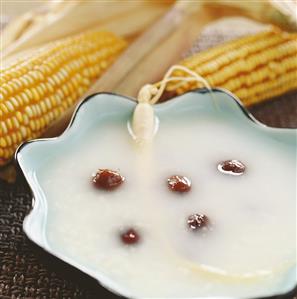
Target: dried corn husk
point(60, 19)
point(281, 13)
point(145, 52)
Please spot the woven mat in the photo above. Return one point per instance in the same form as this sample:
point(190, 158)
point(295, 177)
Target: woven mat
point(28, 272)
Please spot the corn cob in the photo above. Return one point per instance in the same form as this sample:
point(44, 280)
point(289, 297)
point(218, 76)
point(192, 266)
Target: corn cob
point(254, 68)
point(37, 90)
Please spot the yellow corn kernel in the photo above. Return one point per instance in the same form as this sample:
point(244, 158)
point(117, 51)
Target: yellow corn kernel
point(254, 68)
point(37, 90)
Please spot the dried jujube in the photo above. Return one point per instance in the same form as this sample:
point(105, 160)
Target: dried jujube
point(197, 221)
point(130, 237)
point(107, 179)
point(179, 183)
point(233, 167)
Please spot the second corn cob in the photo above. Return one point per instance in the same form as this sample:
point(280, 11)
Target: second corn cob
point(254, 68)
point(36, 91)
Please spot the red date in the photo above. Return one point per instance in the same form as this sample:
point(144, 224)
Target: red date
point(197, 221)
point(179, 183)
point(233, 167)
point(130, 237)
point(107, 179)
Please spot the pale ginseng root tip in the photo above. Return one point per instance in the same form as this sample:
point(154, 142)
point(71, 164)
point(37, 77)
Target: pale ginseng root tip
point(143, 123)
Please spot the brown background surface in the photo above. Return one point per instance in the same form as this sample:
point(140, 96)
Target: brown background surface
point(28, 272)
